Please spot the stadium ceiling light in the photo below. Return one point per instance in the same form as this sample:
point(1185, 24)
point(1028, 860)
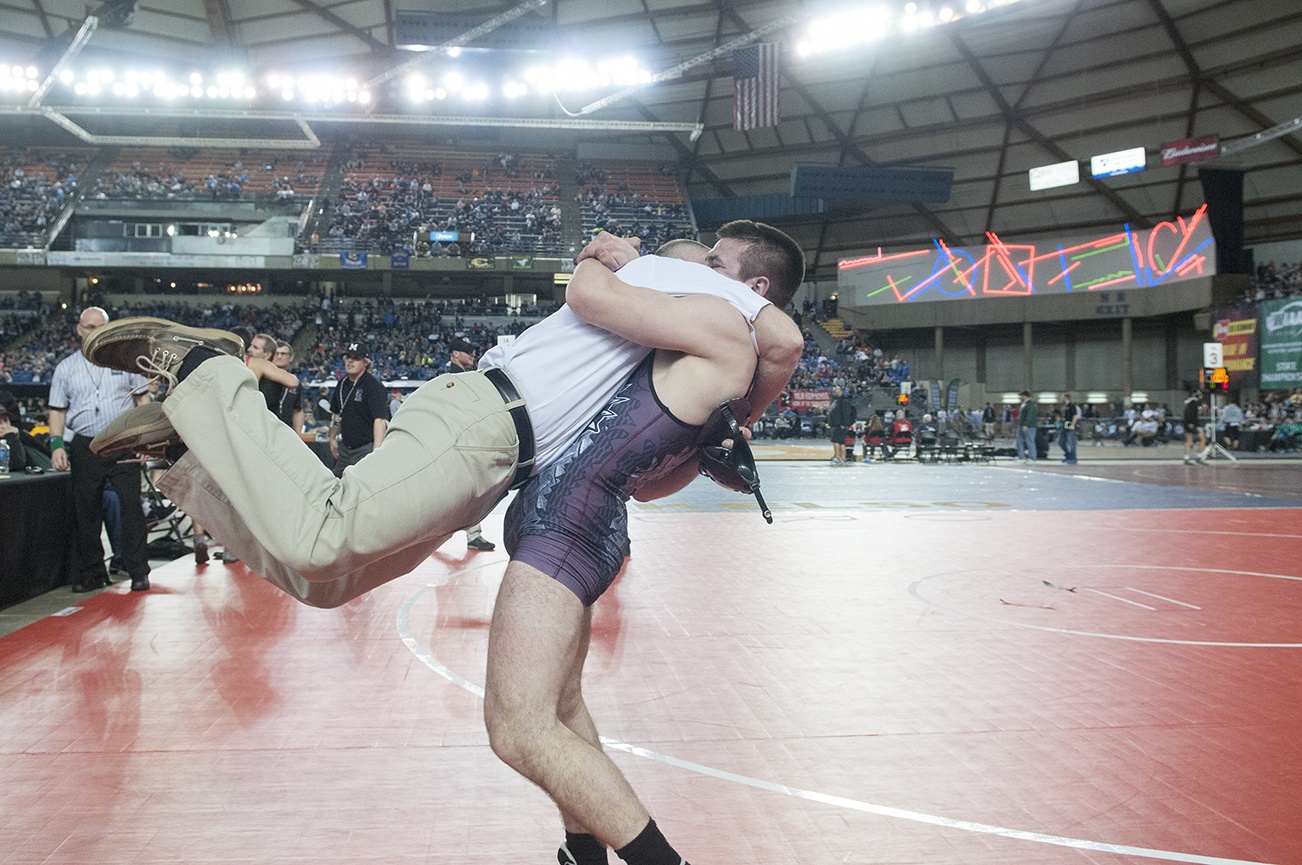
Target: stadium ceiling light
point(876, 21)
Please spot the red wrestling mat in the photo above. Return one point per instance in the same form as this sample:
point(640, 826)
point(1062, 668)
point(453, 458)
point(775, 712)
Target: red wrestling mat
point(957, 687)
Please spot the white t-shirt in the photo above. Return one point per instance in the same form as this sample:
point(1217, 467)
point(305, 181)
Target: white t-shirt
point(567, 370)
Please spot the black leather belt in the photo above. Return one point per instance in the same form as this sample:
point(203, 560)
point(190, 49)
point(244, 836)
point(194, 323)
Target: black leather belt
point(523, 426)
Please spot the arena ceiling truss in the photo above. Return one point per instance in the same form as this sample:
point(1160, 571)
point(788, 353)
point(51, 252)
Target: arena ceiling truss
point(989, 96)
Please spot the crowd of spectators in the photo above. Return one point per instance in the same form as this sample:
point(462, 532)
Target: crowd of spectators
point(408, 340)
point(33, 337)
point(1272, 282)
point(388, 200)
point(36, 187)
point(619, 204)
point(501, 207)
point(39, 341)
point(382, 215)
point(1273, 422)
point(187, 173)
point(867, 374)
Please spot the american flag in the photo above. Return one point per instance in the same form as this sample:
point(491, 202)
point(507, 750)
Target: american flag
point(755, 86)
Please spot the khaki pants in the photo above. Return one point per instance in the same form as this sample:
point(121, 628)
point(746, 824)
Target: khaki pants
point(448, 458)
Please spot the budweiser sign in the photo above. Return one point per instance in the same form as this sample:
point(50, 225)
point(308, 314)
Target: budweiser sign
point(1191, 150)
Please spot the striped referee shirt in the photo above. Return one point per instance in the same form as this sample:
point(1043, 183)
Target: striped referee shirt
point(91, 395)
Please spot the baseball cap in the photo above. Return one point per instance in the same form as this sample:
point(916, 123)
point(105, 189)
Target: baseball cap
point(9, 405)
point(462, 345)
point(357, 349)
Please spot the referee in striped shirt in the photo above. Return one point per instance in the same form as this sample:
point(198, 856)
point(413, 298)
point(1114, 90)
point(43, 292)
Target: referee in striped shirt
point(84, 399)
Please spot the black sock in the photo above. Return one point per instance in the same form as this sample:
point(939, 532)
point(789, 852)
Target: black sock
point(650, 848)
point(193, 358)
point(581, 849)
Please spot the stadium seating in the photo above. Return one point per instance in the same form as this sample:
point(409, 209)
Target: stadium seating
point(212, 173)
point(633, 199)
point(37, 184)
point(398, 195)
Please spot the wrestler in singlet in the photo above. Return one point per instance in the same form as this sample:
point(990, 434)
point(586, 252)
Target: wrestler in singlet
point(570, 522)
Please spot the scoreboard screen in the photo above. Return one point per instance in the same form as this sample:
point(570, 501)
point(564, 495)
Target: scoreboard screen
point(1215, 378)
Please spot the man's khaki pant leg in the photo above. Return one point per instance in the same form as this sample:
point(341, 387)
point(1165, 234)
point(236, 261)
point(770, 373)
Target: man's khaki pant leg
point(191, 487)
point(447, 459)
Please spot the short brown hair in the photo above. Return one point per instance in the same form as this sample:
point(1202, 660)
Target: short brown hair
point(771, 253)
point(269, 340)
point(683, 248)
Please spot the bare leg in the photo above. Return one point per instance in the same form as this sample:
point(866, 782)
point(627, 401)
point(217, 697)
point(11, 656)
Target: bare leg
point(573, 711)
point(533, 707)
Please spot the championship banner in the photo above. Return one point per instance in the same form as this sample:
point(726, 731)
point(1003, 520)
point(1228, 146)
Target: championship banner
point(522, 262)
point(400, 259)
point(807, 400)
point(481, 262)
point(1281, 343)
point(352, 260)
point(1236, 330)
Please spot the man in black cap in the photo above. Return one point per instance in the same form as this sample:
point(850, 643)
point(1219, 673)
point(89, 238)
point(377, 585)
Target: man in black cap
point(359, 410)
point(463, 360)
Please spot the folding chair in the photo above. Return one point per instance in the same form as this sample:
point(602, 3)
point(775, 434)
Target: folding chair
point(163, 516)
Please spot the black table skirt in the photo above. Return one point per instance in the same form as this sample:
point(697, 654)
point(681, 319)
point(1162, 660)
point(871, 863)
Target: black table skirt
point(36, 534)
